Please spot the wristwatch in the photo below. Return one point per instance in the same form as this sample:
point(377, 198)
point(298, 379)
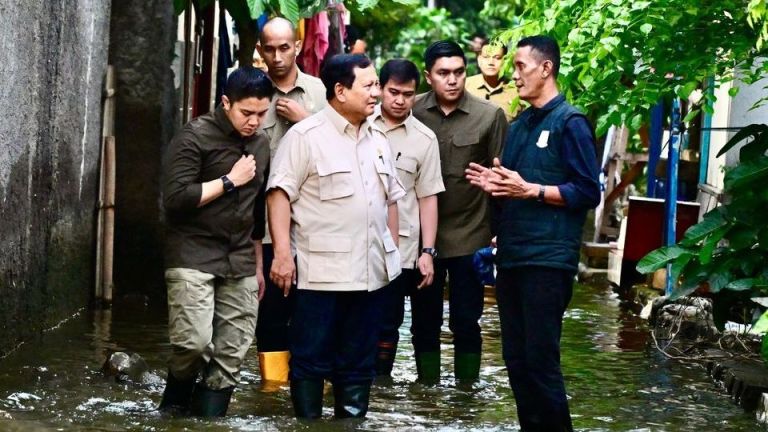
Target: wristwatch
point(431, 251)
point(228, 185)
point(541, 194)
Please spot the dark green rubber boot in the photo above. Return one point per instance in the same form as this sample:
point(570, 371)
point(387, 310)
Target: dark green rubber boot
point(428, 366)
point(211, 403)
point(177, 395)
point(466, 366)
point(351, 400)
point(307, 398)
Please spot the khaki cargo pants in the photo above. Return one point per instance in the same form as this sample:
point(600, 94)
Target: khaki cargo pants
point(211, 324)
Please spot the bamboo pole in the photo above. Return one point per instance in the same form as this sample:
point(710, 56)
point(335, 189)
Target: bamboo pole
point(107, 129)
point(109, 217)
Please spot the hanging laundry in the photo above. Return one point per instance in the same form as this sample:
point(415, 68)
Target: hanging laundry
point(315, 44)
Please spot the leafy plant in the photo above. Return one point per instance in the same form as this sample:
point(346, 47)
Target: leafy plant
point(620, 57)
point(728, 249)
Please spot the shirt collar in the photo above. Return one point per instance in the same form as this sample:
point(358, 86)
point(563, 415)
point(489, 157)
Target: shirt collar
point(539, 113)
point(377, 115)
point(301, 83)
point(431, 102)
point(341, 124)
point(221, 119)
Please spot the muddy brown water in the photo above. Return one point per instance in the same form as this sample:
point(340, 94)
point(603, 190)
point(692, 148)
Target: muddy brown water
point(615, 382)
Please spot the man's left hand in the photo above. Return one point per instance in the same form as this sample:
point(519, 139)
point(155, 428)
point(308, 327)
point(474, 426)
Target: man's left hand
point(509, 184)
point(427, 269)
point(290, 110)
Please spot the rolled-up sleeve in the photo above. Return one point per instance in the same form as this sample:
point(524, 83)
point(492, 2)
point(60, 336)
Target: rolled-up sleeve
point(582, 191)
point(290, 167)
point(182, 188)
point(429, 180)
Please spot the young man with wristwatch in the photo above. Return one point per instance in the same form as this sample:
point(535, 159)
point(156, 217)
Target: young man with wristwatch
point(213, 195)
point(417, 159)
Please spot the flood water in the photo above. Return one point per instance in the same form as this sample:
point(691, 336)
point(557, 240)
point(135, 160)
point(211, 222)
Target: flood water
point(615, 382)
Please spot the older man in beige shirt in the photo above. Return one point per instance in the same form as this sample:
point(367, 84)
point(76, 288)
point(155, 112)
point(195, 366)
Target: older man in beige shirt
point(332, 201)
point(417, 159)
point(297, 96)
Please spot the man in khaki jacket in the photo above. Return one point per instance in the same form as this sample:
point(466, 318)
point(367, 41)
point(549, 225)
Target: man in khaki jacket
point(297, 96)
point(332, 199)
point(417, 159)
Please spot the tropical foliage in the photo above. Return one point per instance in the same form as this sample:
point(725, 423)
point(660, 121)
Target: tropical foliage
point(620, 57)
point(728, 249)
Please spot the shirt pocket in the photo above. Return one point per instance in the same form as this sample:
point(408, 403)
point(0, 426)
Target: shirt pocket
point(465, 148)
point(406, 171)
point(330, 259)
point(335, 179)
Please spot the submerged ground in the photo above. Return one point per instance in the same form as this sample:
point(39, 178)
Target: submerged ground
point(615, 382)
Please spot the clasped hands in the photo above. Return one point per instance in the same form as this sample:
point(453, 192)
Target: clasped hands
point(499, 181)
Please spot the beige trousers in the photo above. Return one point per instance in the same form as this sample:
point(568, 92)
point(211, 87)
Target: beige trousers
point(211, 324)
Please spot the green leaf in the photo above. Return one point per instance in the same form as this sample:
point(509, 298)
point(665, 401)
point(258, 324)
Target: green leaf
point(747, 174)
point(705, 254)
point(733, 91)
point(691, 115)
point(753, 130)
point(742, 284)
point(646, 28)
point(659, 258)
point(742, 237)
point(256, 8)
point(289, 9)
point(179, 6)
point(712, 222)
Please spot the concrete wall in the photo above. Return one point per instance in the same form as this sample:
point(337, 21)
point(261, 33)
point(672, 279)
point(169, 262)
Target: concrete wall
point(143, 33)
point(52, 63)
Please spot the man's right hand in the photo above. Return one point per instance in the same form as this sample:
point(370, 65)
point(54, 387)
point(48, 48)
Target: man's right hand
point(243, 171)
point(283, 272)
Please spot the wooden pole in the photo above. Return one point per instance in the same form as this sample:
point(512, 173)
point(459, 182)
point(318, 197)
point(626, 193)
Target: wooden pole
point(107, 129)
point(109, 217)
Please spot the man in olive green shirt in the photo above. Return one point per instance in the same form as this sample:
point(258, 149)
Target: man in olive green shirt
point(297, 96)
point(468, 129)
point(489, 85)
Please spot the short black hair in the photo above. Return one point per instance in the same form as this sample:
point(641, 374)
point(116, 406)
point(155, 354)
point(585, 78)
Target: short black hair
point(341, 69)
point(546, 48)
point(440, 49)
point(400, 71)
point(246, 82)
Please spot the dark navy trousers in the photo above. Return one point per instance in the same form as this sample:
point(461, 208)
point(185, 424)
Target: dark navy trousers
point(274, 311)
point(426, 312)
point(334, 336)
point(531, 302)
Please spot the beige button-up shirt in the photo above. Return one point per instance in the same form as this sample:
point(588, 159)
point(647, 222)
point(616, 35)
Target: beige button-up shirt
point(501, 95)
point(339, 183)
point(417, 159)
point(309, 92)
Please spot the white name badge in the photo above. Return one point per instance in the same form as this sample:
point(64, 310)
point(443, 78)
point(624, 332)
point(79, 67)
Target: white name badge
point(543, 139)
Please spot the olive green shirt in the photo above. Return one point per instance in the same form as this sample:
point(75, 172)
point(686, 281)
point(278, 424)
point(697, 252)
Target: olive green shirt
point(473, 132)
point(502, 95)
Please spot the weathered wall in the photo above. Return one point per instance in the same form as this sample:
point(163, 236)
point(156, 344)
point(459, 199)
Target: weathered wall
point(143, 33)
point(52, 63)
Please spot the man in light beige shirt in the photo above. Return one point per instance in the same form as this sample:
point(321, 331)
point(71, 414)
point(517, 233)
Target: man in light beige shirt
point(332, 199)
point(490, 85)
point(417, 159)
point(297, 96)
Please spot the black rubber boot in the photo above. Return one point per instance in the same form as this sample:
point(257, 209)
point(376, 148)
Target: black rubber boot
point(351, 400)
point(177, 395)
point(210, 403)
point(307, 398)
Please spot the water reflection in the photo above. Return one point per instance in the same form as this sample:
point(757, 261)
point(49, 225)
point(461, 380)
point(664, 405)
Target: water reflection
point(615, 382)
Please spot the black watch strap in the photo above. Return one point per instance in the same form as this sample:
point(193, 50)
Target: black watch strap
point(541, 194)
point(431, 251)
point(228, 185)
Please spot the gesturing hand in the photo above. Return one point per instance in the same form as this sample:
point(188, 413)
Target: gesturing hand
point(242, 171)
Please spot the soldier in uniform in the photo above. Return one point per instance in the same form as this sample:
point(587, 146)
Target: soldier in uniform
point(332, 200)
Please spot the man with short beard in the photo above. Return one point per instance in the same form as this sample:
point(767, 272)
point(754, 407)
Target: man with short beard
point(297, 96)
